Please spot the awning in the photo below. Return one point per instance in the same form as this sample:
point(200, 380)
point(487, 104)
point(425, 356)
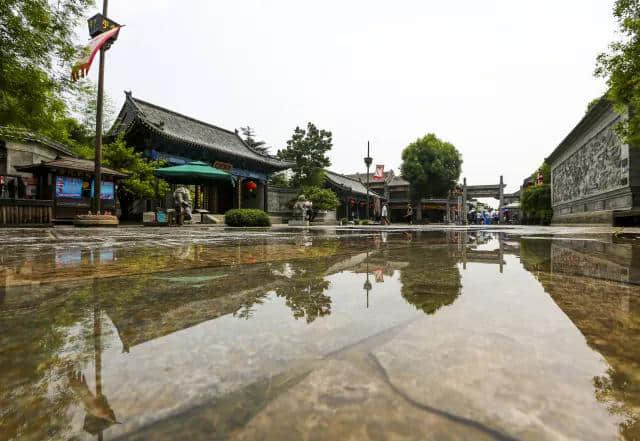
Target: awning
point(196, 172)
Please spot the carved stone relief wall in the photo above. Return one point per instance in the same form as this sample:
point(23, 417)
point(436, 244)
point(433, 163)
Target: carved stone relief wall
point(596, 167)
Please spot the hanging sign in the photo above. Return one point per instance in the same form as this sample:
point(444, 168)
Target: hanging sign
point(379, 174)
point(99, 24)
point(81, 67)
point(223, 166)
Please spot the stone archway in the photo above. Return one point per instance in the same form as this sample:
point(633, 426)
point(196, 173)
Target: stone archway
point(482, 191)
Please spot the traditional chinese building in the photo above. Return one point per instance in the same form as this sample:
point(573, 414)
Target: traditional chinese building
point(41, 181)
point(595, 177)
point(396, 191)
point(178, 139)
point(353, 197)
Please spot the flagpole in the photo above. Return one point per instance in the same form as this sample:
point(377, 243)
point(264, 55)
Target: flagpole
point(97, 178)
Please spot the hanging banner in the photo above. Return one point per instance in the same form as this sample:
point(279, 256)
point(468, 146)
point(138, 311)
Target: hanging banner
point(379, 174)
point(81, 67)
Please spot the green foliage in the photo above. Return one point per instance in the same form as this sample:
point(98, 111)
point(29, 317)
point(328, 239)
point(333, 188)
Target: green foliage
point(431, 166)
point(141, 183)
point(308, 149)
point(621, 67)
point(246, 217)
point(535, 205)
point(546, 173)
point(36, 36)
point(250, 139)
point(344, 221)
point(322, 198)
point(278, 180)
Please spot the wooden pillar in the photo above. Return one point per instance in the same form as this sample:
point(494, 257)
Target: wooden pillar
point(266, 196)
point(238, 193)
point(447, 216)
point(465, 213)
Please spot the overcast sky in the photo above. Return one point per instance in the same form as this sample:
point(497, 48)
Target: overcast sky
point(503, 80)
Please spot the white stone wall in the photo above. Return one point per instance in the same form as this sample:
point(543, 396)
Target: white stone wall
point(595, 163)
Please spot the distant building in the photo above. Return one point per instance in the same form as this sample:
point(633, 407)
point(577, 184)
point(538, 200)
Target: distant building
point(595, 178)
point(396, 191)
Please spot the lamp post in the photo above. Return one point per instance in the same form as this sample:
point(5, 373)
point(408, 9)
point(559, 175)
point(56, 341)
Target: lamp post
point(368, 160)
point(97, 178)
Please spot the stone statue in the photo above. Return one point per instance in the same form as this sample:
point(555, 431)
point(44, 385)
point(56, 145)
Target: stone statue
point(302, 208)
point(182, 201)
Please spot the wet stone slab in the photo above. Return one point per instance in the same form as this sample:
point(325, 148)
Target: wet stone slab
point(319, 334)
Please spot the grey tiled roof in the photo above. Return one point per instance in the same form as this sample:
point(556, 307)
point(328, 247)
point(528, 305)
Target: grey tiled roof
point(85, 165)
point(26, 136)
point(348, 183)
point(398, 181)
point(183, 128)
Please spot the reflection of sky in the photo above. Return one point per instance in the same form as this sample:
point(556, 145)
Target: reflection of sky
point(69, 257)
point(73, 256)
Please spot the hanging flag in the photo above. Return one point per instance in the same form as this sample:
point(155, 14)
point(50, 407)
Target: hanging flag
point(379, 174)
point(82, 66)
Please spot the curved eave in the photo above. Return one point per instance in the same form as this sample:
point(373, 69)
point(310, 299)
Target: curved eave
point(273, 164)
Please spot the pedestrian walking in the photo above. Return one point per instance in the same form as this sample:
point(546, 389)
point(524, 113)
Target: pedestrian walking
point(385, 215)
point(409, 214)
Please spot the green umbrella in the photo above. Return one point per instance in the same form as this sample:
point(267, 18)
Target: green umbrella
point(196, 172)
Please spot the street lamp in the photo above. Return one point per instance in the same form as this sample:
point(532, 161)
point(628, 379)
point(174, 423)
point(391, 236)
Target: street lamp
point(368, 160)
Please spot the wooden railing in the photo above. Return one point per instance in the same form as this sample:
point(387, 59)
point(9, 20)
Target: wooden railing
point(25, 212)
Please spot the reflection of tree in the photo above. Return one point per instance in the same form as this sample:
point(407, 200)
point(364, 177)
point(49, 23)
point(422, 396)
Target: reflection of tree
point(535, 254)
point(431, 280)
point(304, 292)
point(32, 361)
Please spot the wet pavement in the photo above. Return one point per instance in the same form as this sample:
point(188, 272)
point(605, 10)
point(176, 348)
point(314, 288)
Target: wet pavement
point(321, 334)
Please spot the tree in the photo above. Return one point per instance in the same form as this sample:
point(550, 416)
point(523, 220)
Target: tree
point(36, 47)
point(141, 183)
point(250, 140)
point(535, 201)
point(432, 167)
point(621, 67)
point(278, 180)
point(323, 199)
point(308, 149)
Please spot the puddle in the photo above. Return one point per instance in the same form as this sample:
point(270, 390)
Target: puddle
point(336, 334)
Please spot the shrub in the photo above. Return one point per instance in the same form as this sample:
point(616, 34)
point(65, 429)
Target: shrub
point(365, 222)
point(344, 221)
point(246, 217)
point(322, 198)
point(535, 205)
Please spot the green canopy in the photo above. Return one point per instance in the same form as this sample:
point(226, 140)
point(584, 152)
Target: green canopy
point(195, 172)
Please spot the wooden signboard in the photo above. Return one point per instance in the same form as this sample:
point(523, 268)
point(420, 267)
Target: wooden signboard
point(223, 166)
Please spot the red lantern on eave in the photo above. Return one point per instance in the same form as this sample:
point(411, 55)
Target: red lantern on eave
point(250, 185)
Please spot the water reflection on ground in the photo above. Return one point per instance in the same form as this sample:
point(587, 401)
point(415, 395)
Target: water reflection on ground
point(332, 335)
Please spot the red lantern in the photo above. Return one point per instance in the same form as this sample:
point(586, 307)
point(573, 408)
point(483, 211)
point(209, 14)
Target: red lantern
point(250, 185)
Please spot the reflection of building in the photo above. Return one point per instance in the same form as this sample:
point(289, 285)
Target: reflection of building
point(163, 134)
point(584, 279)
